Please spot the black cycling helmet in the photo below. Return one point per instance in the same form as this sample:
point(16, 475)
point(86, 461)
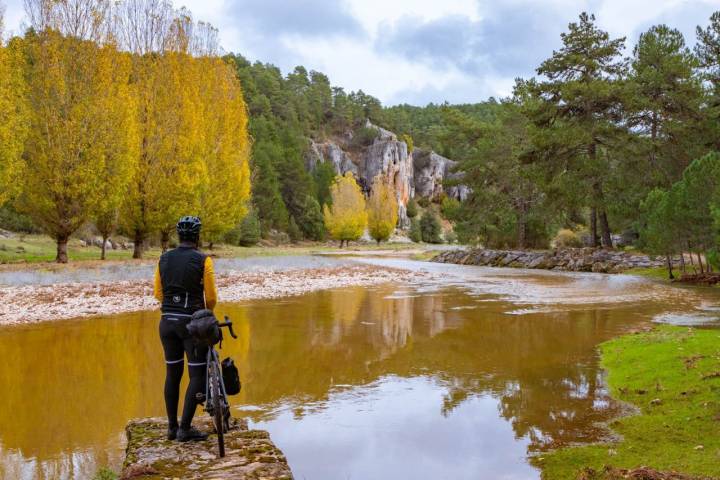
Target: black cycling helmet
point(188, 228)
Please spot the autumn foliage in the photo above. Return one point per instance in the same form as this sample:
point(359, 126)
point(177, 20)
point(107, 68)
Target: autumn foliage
point(122, 115)
point(382, 208)
point(346, 218)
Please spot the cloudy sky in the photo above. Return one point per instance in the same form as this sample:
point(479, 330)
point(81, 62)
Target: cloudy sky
point(420, 51)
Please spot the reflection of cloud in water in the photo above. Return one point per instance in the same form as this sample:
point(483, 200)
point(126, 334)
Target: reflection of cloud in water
point(539, 287)
point(372, 426)
point(687, 319)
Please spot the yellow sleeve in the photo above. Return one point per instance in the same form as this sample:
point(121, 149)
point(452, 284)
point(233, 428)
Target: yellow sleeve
point(209, 284)
point(157, 288)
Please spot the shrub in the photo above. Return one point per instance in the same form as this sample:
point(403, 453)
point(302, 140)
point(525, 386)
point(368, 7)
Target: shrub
point(105, 474)
point(408, 141)
point(430, 228)
point(310, 220)
point(566, 238)
point(412, 208)
point(294, 231)
point(415, 234)
point(365, 136)
point(450, 208)
point(249, 231)
point(424, 202)
point(11, 220)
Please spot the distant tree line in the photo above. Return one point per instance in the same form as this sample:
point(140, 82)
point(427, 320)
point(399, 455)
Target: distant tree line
point(597, 142)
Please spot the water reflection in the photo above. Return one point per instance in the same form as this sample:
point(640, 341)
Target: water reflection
point(350, 382)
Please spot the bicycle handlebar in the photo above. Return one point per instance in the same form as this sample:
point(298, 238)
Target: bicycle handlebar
point(228, 324)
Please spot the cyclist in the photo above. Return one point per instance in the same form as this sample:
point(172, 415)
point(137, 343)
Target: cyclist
point(184, 284)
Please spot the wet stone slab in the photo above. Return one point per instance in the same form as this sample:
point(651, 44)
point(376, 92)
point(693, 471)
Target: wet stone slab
point(249, 454)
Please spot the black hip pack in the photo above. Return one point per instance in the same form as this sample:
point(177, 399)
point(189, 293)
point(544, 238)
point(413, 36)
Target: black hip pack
point(203, 328)
point(231, 377)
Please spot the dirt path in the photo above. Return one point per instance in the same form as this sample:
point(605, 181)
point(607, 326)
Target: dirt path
point(37, 303)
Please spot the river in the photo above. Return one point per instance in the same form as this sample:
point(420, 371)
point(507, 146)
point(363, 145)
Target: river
point(465, 373)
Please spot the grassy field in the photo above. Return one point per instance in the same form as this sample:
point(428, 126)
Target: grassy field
point(672, 374)
point(40, 248)
point(659, 273)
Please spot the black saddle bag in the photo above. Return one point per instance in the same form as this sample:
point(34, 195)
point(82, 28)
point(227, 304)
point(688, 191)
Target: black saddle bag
point(203, 328)
point(231, 377)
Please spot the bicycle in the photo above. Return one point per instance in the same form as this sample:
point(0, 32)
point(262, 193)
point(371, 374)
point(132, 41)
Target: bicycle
point(215, 398)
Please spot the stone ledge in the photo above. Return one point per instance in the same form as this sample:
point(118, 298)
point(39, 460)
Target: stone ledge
point(571, 259)
point(249, 454)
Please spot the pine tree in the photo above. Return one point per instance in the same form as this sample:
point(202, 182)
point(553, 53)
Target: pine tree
point(346, 219)
point(311, 220)
point(266, 188)
point(577, 110)
point(663, 100)
point(382, 210)
point(249, 229)
point(430, 228)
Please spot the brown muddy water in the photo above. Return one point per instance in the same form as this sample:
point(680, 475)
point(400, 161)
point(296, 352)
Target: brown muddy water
point(462, 375)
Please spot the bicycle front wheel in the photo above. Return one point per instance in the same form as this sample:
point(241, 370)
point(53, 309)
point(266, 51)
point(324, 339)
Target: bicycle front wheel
point(217, 403)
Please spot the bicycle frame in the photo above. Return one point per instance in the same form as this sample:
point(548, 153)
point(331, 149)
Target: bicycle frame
point(213, 357)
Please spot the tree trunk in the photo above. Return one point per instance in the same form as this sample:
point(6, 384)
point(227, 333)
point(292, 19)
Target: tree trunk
point(682, 262)
point(210, 245)
point(522, 228)
point(669, 267)
point(605, 228)
point(102, 247)
point(692, 263)
point(138, 244)
point(164, 240)
point(700, 263)
point(593, 228)
point(62, 256)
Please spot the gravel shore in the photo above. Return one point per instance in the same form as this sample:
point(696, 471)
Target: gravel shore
point(28, 304)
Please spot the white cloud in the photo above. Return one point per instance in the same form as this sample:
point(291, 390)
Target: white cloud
point(377, 45)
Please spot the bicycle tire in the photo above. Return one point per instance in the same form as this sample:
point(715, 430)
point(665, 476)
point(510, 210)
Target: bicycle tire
point(217, 407)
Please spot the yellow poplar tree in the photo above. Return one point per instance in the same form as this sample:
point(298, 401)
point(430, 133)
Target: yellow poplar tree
point(77, 95)
point(347, 218)
point(170, 171)
point(13, 116)
point(382, 210)
point(225, 149)
point(121, 161)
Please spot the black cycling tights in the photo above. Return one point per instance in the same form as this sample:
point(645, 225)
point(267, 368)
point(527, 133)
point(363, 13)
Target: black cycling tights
point(177, 343)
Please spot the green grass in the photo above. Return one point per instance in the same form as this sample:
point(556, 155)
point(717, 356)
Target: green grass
point(41, 248)
point(672, 374)
point(659, 273)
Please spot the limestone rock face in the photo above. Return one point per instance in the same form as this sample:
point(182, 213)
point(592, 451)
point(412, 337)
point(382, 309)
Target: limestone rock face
point(420, 173)
point(330, 152)
point(389, 158)
point(249, 454)
point(430, 171)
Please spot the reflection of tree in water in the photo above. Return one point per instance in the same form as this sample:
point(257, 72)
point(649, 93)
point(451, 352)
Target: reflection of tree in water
point(542, 368)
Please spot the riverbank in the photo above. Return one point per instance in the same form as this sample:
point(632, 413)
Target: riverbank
point(249, 454)
point(570, 259)
point(32, 303)
point(672, 376)
point(38, 251)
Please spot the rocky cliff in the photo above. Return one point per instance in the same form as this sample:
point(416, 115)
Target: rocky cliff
point(419, 173)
